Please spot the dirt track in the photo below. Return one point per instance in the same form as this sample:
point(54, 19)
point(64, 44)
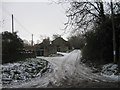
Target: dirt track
point(68, 72)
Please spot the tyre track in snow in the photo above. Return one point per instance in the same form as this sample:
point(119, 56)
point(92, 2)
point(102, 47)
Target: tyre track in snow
point(67, 71)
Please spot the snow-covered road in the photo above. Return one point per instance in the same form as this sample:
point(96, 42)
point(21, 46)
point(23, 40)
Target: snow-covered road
point(68, 71)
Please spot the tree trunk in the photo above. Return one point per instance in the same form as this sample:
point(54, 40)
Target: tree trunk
point(102, 15)
point(114, 35)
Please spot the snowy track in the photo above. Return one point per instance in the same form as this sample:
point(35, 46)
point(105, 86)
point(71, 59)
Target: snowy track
point(67, 71)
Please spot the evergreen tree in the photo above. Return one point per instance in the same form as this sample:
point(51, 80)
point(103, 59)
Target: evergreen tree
point(11, 47)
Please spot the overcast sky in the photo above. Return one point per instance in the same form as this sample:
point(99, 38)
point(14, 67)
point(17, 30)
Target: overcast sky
point(37, 18)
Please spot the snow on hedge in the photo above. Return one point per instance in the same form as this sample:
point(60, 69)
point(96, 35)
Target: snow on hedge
point(111, 70)
point(23, 71)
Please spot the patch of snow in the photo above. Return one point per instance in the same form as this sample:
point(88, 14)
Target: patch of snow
point(55, 55)
point(63, 53)
point(111, 71)
point(15, 73)
point(114, 77)
point(65, 70)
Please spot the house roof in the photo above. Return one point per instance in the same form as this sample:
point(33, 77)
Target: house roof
point(59, 40)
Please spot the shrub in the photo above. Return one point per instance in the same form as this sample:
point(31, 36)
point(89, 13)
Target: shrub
point(11, 47)
point(99, 47)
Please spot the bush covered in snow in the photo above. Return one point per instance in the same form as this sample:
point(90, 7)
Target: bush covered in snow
point(110, 69)
point(23, 71)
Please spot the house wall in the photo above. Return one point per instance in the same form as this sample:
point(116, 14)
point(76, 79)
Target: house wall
point(58, 44)
point(61, 45)
point(50, 50)
point(63, 48)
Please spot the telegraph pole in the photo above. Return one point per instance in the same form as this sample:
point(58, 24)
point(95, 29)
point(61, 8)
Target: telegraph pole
point(114, 38)
point(12, 24)
point(32, 40)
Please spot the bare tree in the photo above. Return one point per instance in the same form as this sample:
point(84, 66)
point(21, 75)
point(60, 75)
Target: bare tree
point(56, 36)
point(82, 15)
point(77, 41)
point(46, 42)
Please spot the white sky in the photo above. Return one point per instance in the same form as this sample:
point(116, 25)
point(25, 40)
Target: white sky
point(39, 18)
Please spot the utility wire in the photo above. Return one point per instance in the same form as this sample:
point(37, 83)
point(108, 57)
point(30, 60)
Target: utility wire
point(18, 22)
point(23, 27)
